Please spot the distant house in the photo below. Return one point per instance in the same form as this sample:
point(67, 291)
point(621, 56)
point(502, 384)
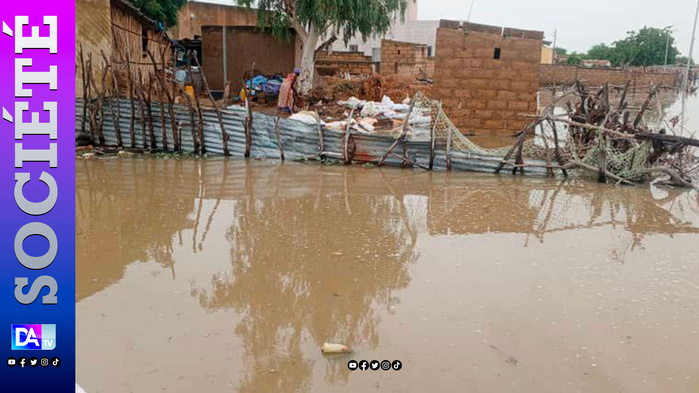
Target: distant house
point(596, 64)
point(547, 54)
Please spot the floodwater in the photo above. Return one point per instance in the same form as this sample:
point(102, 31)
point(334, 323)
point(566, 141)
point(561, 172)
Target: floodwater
point(222, 276)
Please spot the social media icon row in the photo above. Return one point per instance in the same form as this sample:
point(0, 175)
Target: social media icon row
point(33, 362)
point(374, 365)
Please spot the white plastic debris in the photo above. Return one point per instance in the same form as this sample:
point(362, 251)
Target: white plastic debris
point(387, 102)
point(306, 117)
point(371, 109)
point(401, 107)
point(334, 348)
point(420, 119)
point(336, 125)
point(352, 102)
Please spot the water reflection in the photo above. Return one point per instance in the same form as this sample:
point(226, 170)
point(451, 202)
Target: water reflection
point(304, 254)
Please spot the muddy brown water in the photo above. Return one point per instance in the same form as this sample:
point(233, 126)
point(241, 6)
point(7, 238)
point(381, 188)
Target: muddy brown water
point(222, 276)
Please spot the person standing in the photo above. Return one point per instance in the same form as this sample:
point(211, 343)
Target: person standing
point(287, 93)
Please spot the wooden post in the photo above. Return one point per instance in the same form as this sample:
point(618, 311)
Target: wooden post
point(248, 127)
point(82, 73)
point(321, 141)
point(117, 114)
point(200, 125)
point(224, 134)
point(447, 152)
point(402, 134)
point(516, 145)
point(96, 106)
point(141, 99)
point(170, 99)
point(639, 117)
point(132, 125)
point(556, 150)
point(346, 157)
point(433, 136)
point(153, 143)
point(195, 141)
point(279, 139)
point(92, 113)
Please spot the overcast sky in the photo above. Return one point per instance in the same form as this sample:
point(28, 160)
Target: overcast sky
point(580, 24)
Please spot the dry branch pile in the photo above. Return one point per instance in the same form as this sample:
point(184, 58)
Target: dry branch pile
point(609, 139)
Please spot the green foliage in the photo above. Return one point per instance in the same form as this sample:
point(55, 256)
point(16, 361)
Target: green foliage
point(576, 58)
point(343, 18)
point(561, 51)
point(164, 11)
point(601, 52)
point(645, 47)
point(682, 60)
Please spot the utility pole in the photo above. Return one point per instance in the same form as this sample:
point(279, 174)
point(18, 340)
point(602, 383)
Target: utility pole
point(468, 18)
point(667, 46)
point(689, 65)
point(555, 38)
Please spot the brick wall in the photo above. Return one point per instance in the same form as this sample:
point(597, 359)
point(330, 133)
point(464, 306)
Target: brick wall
point(404, 58)
point(483, 95)
point(92, 32)
point(331, 63)
point(561, 74)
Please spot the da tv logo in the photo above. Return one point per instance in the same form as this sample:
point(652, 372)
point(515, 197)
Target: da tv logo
point(33, 337)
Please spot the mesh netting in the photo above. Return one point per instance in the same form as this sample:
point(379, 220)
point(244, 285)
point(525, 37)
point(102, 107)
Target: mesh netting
point(624, 158)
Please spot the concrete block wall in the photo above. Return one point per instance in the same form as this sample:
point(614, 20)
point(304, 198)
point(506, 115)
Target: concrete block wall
point(404, 58)
point(561, 74)
point(330, 63)
point(483, 95)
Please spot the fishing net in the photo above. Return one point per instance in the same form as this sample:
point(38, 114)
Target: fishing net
point(625, 158)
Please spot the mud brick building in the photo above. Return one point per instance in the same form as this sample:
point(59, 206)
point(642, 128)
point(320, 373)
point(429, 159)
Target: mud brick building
point(561, 74)
point(405, 58)
point(487, 77)
point(118, 30)
point(332, 63)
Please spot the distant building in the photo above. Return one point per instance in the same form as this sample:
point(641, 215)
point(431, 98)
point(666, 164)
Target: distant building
point(596, 63)
point(547, 55)
point(409, 30)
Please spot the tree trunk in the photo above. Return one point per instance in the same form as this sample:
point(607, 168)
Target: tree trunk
point(305, 82)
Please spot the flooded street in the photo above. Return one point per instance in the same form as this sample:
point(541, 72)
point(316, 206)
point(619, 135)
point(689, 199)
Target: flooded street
point(224, 276)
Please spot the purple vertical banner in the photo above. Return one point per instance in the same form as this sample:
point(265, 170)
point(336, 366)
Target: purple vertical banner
point(37, 196)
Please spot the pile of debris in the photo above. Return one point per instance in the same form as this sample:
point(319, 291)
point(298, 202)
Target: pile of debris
point(608, 139)
point(368, 87)
point(384, 117)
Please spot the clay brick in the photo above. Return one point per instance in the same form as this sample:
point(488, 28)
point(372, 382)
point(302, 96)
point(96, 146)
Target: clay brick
point(494, 124)
point(520, 86)
point(483, 114)
point(518, 105)
point(497, 104)
point(486, 94)
point(462, 93)
point(473, 63)
point(507, 95)
point(501, 84)
point(477, 103)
